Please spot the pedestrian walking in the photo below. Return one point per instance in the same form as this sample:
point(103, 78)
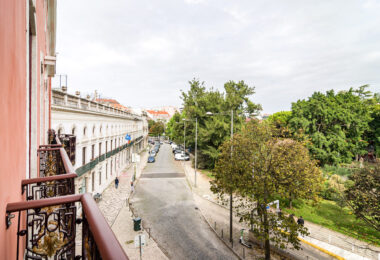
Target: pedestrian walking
point(300, 221)
point(116, 182)
point(132, 187)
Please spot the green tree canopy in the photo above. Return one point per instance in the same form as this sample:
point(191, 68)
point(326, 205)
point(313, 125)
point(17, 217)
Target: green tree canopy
point(213, 130)
point(158, 128)
point(257, 166)
point(364, 196)
point(281, 121)
point(335, 124)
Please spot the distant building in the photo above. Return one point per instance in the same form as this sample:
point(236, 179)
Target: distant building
point(158, 115)
point(100, 129)
point(265, 116)
point(171, 110)
point(112, 103)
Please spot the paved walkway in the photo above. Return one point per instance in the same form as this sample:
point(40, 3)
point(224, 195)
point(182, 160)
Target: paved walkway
point(116, 211)
point(335, 242)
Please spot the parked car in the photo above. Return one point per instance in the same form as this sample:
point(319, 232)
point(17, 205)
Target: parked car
point(156, 149)
point(181, 157)
point(153, 153)
point(176, 151)
point(151, 159)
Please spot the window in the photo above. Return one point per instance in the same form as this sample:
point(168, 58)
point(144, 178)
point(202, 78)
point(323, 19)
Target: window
point(93, 130)
point(83, 155)
point(92, 152)
point(106, 146)
point(84, 131)
point(93, 181)
point(100, 178)
point(100, 149)
point(73, 131)
point(111, 145)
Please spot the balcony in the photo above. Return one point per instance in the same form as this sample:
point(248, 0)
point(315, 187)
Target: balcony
point(55, 223)
point(91, 165)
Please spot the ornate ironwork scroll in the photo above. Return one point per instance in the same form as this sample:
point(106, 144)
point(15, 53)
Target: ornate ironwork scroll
point(49, 189)
point(50, 232)
point(50, 162)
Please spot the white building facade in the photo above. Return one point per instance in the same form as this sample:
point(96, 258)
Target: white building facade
point(102, 151)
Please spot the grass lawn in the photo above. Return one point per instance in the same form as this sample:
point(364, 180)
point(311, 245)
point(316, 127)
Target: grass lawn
point(329, 214)
point(207, 173)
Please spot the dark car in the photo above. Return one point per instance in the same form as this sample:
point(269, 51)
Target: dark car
point(151, 159)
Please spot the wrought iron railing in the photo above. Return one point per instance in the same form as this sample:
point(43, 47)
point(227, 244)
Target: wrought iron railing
point(51, 229)
point(50, 160)
point(69, 143)
point(48, 187)
point(52, 219)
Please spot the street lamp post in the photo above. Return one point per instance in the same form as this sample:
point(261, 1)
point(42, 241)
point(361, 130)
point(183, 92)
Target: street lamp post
point(184, 134)
point(232, 147)
point(196, 147)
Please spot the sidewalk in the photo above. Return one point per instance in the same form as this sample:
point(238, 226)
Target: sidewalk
point(116, 211)
point(335, 242)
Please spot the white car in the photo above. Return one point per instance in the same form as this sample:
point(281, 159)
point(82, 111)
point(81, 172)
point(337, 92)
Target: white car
point(181, 157)
point(174, 146)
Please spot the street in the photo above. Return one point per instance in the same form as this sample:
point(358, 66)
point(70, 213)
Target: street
point(165, 203)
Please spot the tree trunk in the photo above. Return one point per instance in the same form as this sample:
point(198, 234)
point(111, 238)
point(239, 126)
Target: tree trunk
point(266, 230)
point(266, 224)
point(291, 200)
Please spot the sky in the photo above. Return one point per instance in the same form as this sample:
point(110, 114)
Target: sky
point(144, 52)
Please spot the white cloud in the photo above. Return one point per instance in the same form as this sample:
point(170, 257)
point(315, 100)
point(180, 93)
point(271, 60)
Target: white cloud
point(144, 52)
point(194, 1)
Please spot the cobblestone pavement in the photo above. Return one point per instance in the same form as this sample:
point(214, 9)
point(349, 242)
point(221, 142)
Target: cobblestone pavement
point(352, 248)
point(116, 211)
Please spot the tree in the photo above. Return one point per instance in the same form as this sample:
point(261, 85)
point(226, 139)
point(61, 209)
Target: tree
point(158, 128)
point(335, 124)
point(372, 135)
point(151, 123)
point(214, 130)
point(263, 166)
point(174, 128)
point(281, 121)
point(363, 196)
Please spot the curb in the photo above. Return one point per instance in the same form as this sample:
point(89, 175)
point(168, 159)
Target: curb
point(129, 205)
point(204, 218)
point(321, 249)
point(224, 242)
point(302, 240)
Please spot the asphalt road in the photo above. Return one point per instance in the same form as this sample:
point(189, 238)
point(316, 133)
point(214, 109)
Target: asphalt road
point(165, 203)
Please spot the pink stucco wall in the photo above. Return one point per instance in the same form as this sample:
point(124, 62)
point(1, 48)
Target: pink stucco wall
point(13, 93)
point(14, 88)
